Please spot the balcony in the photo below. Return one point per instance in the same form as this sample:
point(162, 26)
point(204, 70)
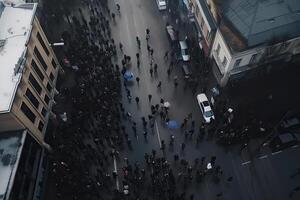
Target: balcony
point(219, 62)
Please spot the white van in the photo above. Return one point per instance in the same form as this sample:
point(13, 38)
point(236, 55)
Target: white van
point(162, 4)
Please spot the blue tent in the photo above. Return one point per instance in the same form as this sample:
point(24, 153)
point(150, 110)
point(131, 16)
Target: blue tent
point(172, 124)
point(128, 75)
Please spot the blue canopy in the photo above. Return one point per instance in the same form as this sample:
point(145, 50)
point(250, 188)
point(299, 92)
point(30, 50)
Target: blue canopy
point(172, 124)
point(128, 75)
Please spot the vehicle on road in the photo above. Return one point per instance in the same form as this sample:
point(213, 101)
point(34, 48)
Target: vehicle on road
point(205, 108)
point(284, 140)
point(172, 35)
point(291, 124)
point(184, 51)
point(186, 71)
point(161, 4)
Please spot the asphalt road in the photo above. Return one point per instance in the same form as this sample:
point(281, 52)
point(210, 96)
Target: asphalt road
point(264, 177)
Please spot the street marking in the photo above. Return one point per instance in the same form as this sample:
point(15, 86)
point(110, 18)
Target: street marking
point(158, 135)
point(115, 168)
point(247, 162)
point(295, 146)
point(262, 157)
point(277, 152)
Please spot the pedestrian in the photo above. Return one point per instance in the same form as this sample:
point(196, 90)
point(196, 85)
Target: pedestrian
point(182, 146)
point(149, 97)
point(155, 67)
point(137, 80)
point(229, 179)
point(169, 72)
point(159, 85)
point(118, 8)
point(166, 55)
point(151, 71)
point(138, 41)
point(121, 47)
point(137, 100)
point(151, 52)
point(176, 84)
point(113, 16)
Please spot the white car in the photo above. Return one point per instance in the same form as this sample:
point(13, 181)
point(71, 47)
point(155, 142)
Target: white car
point(162, 4)
point(184, 51)
point(205, 108)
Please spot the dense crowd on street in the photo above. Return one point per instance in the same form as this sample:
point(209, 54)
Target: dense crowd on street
point(91, 139)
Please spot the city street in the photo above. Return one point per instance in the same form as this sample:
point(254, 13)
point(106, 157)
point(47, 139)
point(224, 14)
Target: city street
point(264, 177)
point(237, 173)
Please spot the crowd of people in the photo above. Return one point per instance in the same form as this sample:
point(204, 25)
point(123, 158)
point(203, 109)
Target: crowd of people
point(87, 144)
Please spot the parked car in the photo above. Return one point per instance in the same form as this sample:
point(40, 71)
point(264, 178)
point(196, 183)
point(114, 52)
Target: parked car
point(291, 123)
point(205, 108)
point(184, 51)
point(186, 70)
point(284, 140)
point(172, 35)
point(162, 4)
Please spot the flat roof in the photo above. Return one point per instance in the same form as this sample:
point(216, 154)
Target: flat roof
point(11, 145)
point(261, 21)
point(15, 28)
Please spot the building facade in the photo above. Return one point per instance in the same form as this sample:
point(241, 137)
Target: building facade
point(248, 33)
point(200, 13)
point(30, 103)
point(28, 76)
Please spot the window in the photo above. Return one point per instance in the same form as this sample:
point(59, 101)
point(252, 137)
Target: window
point(49, 87)
point(218, 49)
point(39, 37)
point(37, 70)
point(32, 98)
point(224, 62)
point(27, 112)
point(40, 57)
point(47, 99)
point(44, 112)
point(35, 84)
point(41, 126)
point(51, 77)
point(237, 62)
point(53, 63)
point(253, 59)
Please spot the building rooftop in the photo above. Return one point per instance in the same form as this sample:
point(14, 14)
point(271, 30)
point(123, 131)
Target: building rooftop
point(11, 144)
point(255, 22)
point(15, 27)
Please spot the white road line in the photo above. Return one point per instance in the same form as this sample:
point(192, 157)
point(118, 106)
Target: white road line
point(295, 146)
point(262, 157)
point(277, 152)
point(247, 162)
point(158, 135)
point(115, 169)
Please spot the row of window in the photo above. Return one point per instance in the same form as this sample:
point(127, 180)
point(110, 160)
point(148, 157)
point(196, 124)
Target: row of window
point(31, 116)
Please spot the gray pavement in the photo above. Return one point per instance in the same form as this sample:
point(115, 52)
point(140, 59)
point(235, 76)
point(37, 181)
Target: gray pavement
point(264, 177)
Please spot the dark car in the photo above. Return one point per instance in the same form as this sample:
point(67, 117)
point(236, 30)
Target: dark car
point(284, 140)
point(172, 35)
point(186, 71)
point(291, 123)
